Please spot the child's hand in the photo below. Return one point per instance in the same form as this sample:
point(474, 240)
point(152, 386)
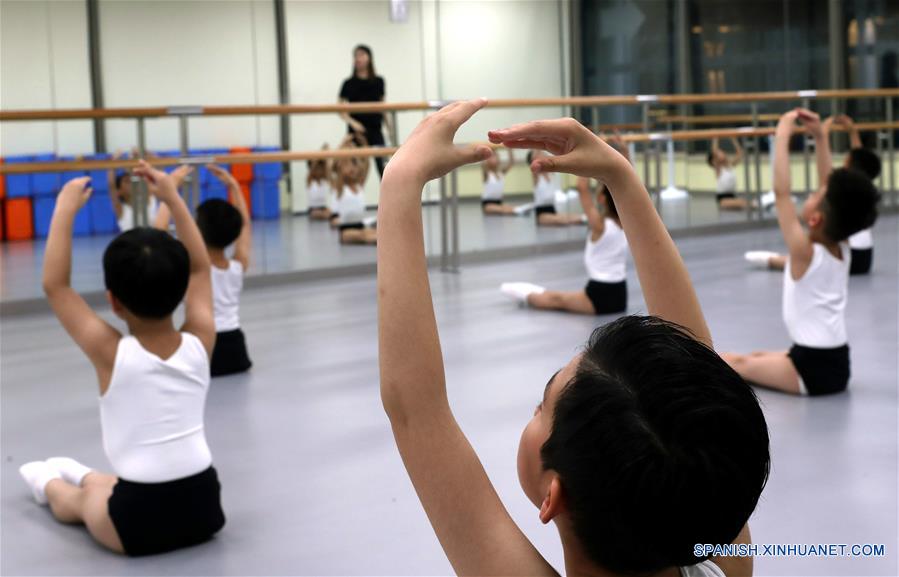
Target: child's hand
point(162, 184)
point(811, 121)
point(223, 175)
point(578, 151)
point(429, 151)
point(180, 173)
point(75, 193)
point(788, 119)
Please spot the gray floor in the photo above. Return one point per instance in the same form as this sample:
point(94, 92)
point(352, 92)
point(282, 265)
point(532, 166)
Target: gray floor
point(313, 483)
point(294, 243)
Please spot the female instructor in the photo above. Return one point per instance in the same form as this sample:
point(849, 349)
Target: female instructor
point(365, 86)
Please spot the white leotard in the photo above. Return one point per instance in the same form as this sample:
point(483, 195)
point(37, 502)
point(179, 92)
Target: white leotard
point(152, 412)
point(605, 259)
point(317, 193)
point(705, 569)
point(814, 306)
point(727, 181)
point(493, 187)
point(545, 190)
point(226, 286)
point(351, 205)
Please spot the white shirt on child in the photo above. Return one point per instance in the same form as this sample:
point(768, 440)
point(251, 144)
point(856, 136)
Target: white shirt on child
point(727, 181)
point(318, 193)
point(126, 220)
point(351, 205)
point(705, 569)
point(226, 287)
point(493, 187)
point(545, 190)
point(862, 240)
point(605, 258)
point(152, 412)
point(814, 307)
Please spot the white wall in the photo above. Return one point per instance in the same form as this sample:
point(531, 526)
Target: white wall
point(196, 52)
point(44, 64)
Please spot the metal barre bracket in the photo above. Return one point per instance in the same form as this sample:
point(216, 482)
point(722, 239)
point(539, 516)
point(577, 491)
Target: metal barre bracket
point(184, 110)
point(197, 160)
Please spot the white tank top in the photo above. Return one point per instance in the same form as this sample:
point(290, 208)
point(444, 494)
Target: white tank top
point(126, 221)
point(727, 181)
point(152, 412)
point(705, 569)
point(862, 240)
point(545, 190)
point(493, 187)
point(814, 306)
point(226, 286)
point(317, 193)
point(605, 258)
point(351, 205)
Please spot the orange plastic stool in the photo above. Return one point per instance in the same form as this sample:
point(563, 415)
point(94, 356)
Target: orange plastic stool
point(242, 173)
point(18, 219)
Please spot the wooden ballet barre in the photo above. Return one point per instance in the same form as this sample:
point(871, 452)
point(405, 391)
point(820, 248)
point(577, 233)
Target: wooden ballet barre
point(576, 101)
point(715, 119)
point(745, 131)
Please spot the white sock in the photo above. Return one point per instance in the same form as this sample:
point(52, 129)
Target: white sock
point(37, 474)
point(520, 290)
point(759, 258)
point(768, 199)
point(72, 471)
point(524, 208)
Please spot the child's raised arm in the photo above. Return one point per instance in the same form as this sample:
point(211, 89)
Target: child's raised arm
point(797, 240)
point(509, 162)
point(738, 151)
point(666, 283)
point(198, 315)
point(819, 131)
point(475, 530)
point(92, 334)
point(596, 221)
point(243, 246)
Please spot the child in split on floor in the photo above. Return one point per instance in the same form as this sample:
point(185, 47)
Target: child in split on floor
point(545, 188)
point(318, 188)
point(725, 178)
point(349, 184)
point(120, 194)
point(630, 436)
point(861, 244)
point(494, 178)
point(816, 275)
point(223, 224)
point(605, 259)
point(153, 382)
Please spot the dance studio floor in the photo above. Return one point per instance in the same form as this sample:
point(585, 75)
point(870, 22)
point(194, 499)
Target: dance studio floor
point(313, 485)
point(296, 244)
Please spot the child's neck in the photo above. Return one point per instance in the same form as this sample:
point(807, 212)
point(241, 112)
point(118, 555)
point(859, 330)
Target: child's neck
point(217, 257)
point(577, 563)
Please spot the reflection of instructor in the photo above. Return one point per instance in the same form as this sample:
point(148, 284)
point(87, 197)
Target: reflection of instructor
point(365, 86)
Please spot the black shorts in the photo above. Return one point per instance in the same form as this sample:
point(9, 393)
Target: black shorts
point(487, 202)
point(229, 355)
point(546, 209)
point(311, 208)
point(823, 371)
point(722, 195)
point(607, 297)
point(155, 518)
point(861, 260)
point(352, 226)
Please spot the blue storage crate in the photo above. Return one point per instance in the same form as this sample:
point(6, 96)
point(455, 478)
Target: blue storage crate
point(45, 183)
point(18, 185)
point(268, 170)
point(68, 175)
point(43, 207)
point(265, 199)
point(103, 220)
point(99, 178)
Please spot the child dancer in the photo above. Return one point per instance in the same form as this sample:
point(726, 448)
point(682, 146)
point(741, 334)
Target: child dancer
point(861, 244)
point(630, 435)
point(165, 493)
point(318, 188)
point(604, 258)
point(725, 178)
point(816, 277)
point(545, 188)
point(494, 178)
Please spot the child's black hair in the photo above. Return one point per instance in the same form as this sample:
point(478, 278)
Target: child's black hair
point(658, 444)
point(147, 270)
point(219, 222)
point(849, 205)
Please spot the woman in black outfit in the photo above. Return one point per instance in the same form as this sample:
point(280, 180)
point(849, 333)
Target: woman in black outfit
point(365, 86)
